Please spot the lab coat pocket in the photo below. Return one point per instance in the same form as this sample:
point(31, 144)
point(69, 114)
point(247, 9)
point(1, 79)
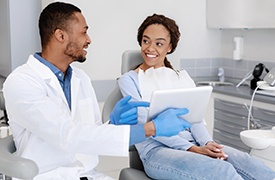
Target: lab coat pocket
point(84, 111)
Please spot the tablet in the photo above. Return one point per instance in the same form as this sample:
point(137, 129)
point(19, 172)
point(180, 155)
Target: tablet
point(194, 99)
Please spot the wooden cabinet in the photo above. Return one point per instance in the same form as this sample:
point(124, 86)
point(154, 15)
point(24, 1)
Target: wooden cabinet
point(240, 14)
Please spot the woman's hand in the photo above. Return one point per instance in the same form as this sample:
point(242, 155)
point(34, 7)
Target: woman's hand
point(211, 149)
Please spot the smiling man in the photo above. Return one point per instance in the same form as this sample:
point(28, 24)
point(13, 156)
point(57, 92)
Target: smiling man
point(53, 111)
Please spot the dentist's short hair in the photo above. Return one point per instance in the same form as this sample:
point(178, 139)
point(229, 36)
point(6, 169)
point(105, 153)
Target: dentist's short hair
point(56, 15)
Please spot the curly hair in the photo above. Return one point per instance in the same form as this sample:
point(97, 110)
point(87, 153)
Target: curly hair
point(168, 23)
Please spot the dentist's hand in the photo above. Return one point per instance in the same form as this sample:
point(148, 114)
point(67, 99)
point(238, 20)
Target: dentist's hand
point(125, 112)
point(168, 123)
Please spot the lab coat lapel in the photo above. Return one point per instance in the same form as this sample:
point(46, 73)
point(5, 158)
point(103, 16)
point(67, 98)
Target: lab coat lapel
point(75, 83)
point(45, 73)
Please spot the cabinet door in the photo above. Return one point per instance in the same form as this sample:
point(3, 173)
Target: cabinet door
point(228, 139)
point(265, 118)
point(231, 107)
point(239, 120)
point(229, 120)
point(240, 14)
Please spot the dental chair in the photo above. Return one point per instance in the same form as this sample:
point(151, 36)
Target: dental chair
point(10, 164)
point(130, 58)
point(4, 119)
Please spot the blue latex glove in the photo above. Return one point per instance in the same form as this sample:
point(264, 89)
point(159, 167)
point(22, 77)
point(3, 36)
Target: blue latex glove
point(168, 123)
point(125, 112)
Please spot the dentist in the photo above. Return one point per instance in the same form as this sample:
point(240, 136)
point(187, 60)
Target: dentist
point(53, 111)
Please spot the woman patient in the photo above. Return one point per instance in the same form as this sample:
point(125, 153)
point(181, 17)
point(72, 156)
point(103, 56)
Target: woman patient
point(192, 154)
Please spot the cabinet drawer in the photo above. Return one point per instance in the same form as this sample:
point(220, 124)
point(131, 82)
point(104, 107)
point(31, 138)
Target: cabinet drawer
point(262, 124)
point(264, 115)
point(228, 127)
point(231, 107)
point(237, 119)
point(230, 140)
point(231, 145)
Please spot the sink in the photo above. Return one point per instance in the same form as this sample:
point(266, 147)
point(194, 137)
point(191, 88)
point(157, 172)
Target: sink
point(258, 138)
point(214, 83)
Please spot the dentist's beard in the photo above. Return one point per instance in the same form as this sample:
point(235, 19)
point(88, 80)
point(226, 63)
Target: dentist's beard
point(80, 59)
point(75, 52)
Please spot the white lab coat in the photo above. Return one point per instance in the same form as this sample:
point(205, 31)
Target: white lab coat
point(64, 143)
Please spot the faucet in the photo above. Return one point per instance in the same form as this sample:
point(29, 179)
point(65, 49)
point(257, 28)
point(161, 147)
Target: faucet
point(221, 74)
point(251, 121)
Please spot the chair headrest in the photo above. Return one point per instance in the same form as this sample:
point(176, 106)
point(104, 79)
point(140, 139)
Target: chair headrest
point(130, 58)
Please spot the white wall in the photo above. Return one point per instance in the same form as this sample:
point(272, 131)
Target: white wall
point(24, 30)
point(259, 44)
point(4, 38)
point(19, 32)
point(113, 29)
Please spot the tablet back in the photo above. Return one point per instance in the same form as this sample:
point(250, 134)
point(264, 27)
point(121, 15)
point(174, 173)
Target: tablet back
point(195, 99)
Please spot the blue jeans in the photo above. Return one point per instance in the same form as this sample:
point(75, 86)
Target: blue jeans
point(165, 163)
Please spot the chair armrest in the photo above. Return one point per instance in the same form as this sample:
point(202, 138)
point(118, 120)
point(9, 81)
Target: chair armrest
point(136, 170)
point(15, 166)
point(132, 174)
point(134, 159)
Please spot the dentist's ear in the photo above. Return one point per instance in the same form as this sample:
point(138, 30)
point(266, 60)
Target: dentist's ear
point(59, 35)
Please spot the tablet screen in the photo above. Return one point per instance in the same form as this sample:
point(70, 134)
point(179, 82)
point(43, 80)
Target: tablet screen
point(194, 99)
